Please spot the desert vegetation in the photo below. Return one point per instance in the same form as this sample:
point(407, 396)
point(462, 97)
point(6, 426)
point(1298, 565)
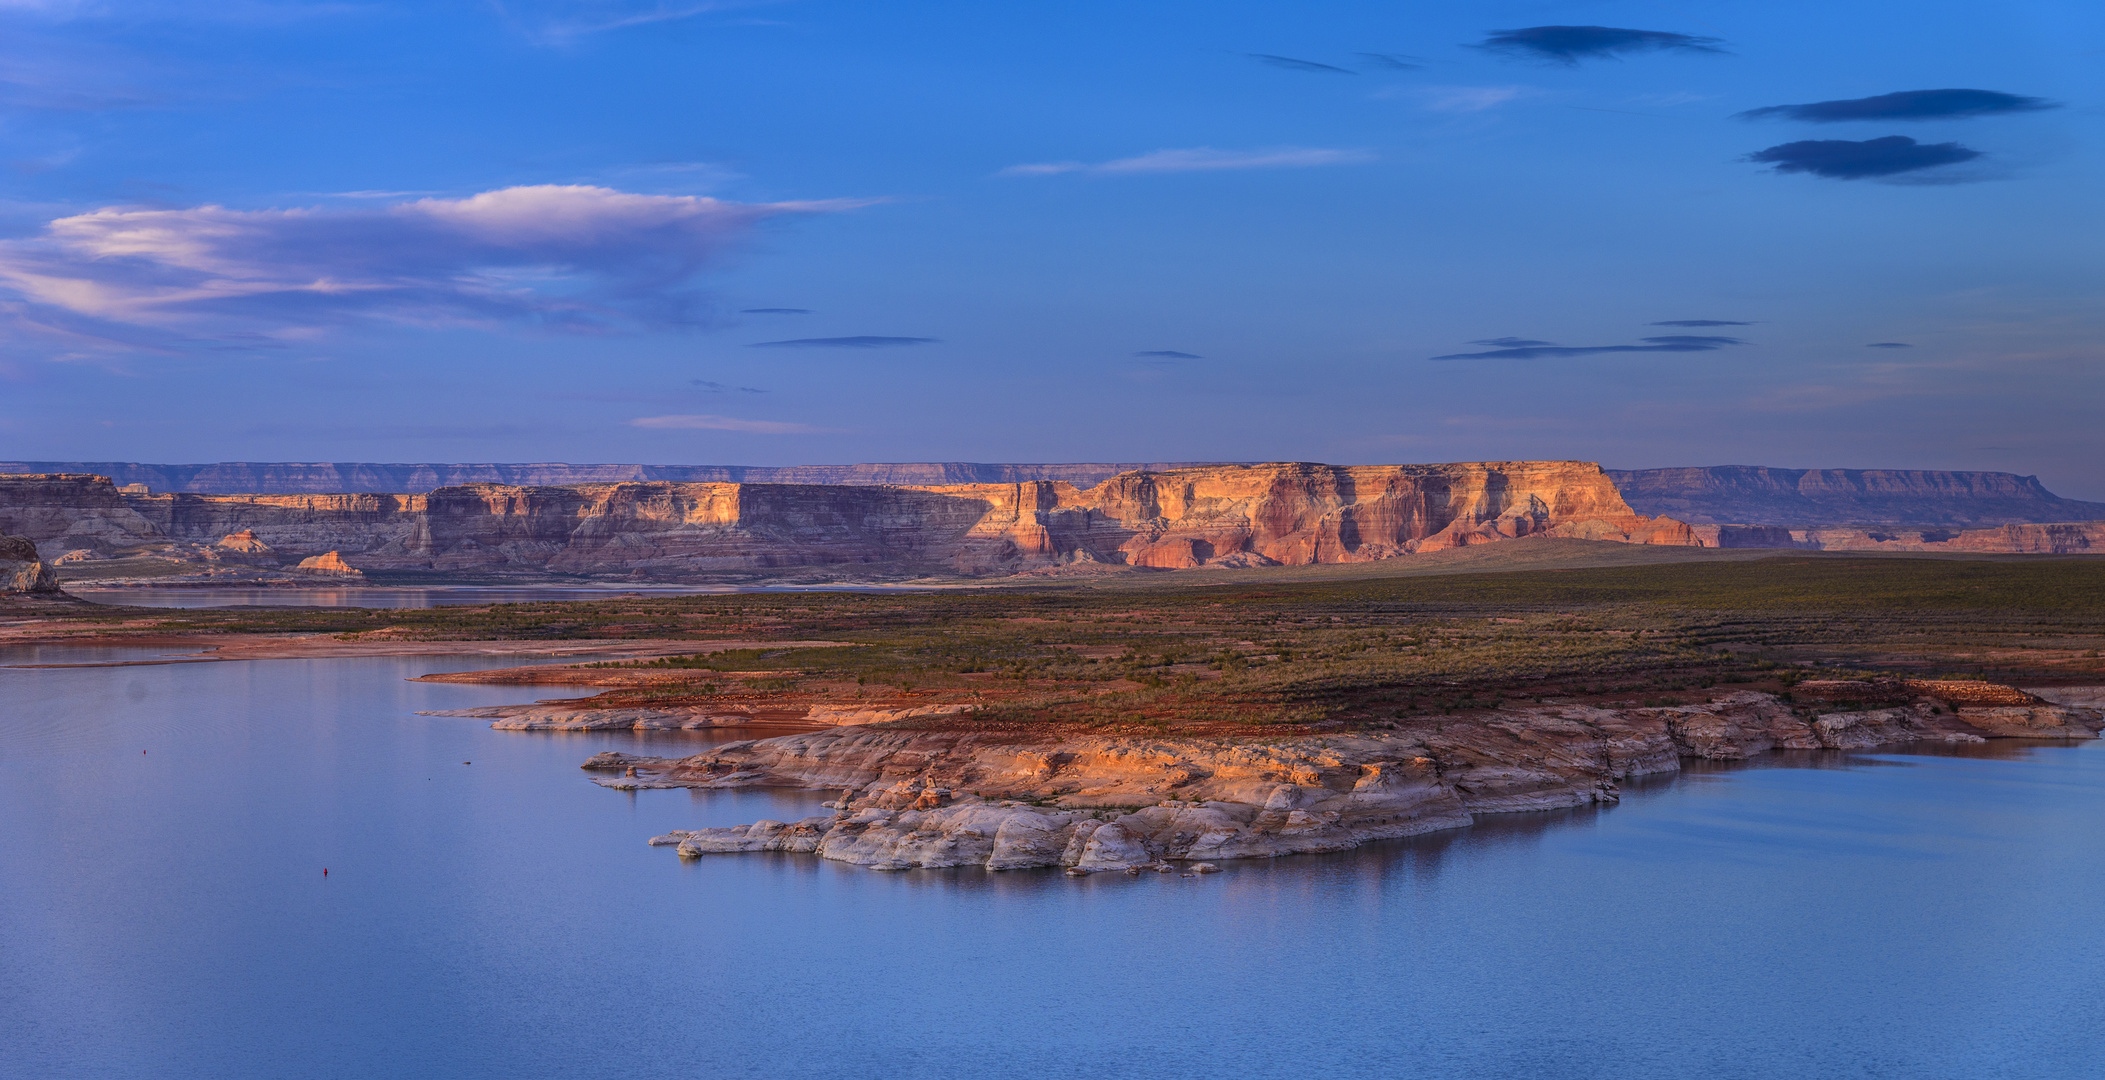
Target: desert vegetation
point(1268, 655)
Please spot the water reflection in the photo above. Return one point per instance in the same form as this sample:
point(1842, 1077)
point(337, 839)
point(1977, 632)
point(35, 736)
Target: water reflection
point(163, 830)
point(421, 597)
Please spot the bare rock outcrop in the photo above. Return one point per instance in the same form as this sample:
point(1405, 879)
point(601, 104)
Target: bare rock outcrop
point(938, 798)
point(243, 543)
point(331, 564)
point(559, 716)
point(22, 571)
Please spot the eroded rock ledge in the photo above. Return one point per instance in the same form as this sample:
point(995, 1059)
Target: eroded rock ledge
point(955, 797)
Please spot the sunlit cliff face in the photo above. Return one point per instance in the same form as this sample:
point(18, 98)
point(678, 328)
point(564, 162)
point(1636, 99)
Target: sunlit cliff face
point(1226, 516)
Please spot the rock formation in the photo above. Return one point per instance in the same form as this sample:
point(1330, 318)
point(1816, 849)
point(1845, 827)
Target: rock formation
point(1285, 513)
point(935, 797)
point(1215, 516)
point(2065, 538)
point(1830, 498)
point(63, 513)
point(243, 543)
point(21, 570)
point(334, 478)
point(329, 565)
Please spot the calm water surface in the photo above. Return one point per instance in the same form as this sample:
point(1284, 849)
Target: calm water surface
point(368, 596)
point(163, 914)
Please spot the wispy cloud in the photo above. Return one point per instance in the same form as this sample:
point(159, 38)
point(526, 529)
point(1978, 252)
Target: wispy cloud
point(1199, 159)
point(1701, 322)
point(1570, 44)
point(561, 22)
point(720, 388)
point(574, 258)
point(705, 422)
point(1525, 349)
point(858, 341)
point(1889, 345)
point(1845, 159)
point(774, 311)
point(1291, 64)
point(1905, 105)
point(1391, 61)
point(1168, 354)
point(1467, 99)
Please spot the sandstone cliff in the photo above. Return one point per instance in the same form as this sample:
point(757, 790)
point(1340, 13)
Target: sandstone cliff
point(2061, 538)
point(338, 477)
point(1283, 513)
point(61, 512)
point(1823, 498)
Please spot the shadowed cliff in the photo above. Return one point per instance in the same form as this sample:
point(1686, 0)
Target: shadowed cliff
point(1828, 498)
point(338, 477)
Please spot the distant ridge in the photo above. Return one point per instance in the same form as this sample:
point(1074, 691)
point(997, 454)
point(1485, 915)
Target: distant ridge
point(1820, 498)
point(334, 477)
point(1713, 495)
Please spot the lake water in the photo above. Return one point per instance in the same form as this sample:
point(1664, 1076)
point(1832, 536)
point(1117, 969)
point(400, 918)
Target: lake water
point(369, 596)
point(163, 913)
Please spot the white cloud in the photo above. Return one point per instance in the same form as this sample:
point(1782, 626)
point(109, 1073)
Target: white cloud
point(1467, 99)
point(1199, 159)
point(562, 256)
point(560, 22)
point(722, 423)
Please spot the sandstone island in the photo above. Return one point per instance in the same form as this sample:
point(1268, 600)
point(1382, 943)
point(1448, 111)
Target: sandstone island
point(1159, 671)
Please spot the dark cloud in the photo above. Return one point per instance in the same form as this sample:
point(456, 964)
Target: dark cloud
point(1169, 354)
point(718, 388)
point(774, 311)
point(1701, 322)
point(1693, 341)
point(1905, 105)
point(1391, 61)
point(1291, 64)
point(859, 341)
point(1670, 343)
point(1511, 343)
point(1845, 159)
point(1889, 345)
point(1571, 44)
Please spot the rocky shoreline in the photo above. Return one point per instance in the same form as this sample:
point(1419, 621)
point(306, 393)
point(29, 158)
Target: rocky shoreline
point(945, 796)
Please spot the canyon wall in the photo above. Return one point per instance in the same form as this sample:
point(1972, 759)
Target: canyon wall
point(1225, 516)
point(2060, 538)
point(1829, 498)
point(337, 477)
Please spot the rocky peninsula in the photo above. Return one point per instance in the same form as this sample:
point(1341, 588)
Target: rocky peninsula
point(942, 793)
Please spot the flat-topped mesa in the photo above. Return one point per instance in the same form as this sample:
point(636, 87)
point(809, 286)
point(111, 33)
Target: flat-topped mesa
point(1297, 513)
point(62, 512)
point(1841, 498)
point(1291, 513)
point(1244, 515)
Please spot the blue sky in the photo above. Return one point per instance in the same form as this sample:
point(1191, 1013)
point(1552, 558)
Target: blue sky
point(537, 231)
